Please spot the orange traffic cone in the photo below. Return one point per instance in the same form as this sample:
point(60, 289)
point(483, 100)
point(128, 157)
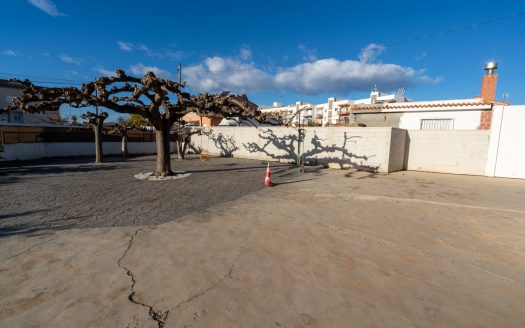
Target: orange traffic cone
point(267, 181)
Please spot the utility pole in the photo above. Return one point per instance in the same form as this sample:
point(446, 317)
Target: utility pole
point(179, 130)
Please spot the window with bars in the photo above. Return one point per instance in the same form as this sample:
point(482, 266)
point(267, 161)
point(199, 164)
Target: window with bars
point(18, 118)
point(437, 124)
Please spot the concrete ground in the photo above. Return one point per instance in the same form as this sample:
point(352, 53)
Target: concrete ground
point(327, 249)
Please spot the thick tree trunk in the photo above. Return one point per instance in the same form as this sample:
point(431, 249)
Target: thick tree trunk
point(163, 151)
point(97, 129)
point(124, 145)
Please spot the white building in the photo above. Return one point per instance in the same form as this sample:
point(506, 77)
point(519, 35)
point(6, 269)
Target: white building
point(11, 89)
point(458, 114)
point(328, 113)
point(292, 114)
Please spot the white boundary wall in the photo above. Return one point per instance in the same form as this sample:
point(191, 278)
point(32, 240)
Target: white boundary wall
point(25, 151)
point(447, 151)
point(499, 152)
point(506, 156)
point(368, 149)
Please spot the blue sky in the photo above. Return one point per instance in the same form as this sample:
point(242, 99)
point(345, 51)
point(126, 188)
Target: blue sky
point(272, 50)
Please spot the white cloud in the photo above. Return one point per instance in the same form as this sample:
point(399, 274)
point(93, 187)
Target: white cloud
point(334, 76)
point(147, 50)
point(70, 60)
point(218, 73)
point(246, 53)
point(10, 53)
point(125, 46)
point(430, 80)
point(321, 76)
point(140, 69)
point(371, 52)
point(47, 6)
point(164, 54)
point(308, 54)
point(421, 56)
point(102, 71)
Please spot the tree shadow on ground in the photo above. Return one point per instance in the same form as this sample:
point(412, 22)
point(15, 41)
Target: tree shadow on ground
point(6, 172)
point(38, 227)
point(369, 175)
point(261, 168)
point(294, 181)
point(33, 229)
point(317, 153)
point(19, 214)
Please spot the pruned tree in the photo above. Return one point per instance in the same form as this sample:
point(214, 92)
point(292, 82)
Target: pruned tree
point(96, 122)
point(183, 136)
point(121, 127)
point(160, 101)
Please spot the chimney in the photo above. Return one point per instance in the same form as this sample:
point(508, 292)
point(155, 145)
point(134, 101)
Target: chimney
point(374, 94)
point(489, 82)
point(488, 92)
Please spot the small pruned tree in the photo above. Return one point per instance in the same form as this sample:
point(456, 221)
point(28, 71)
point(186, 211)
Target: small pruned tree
point(122, 126)
point(183, 134)
point(160, 101)
point(96, 122)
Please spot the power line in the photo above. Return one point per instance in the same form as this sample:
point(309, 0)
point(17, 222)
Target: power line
point(41, 77)
point(60, 81)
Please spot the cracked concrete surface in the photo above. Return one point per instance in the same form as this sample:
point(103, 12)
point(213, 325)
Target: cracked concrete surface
point(159, 316)
point(338, 249)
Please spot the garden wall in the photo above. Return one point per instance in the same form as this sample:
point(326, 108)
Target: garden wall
point(368, 149)
point(447, 151)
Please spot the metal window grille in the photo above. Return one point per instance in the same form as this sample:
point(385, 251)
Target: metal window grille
point(437, 124)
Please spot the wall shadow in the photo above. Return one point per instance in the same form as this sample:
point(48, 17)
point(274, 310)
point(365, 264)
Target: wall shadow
point(318, 153)
point(225, 143)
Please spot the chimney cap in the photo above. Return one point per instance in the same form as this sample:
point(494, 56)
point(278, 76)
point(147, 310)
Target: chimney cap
point(491, 66)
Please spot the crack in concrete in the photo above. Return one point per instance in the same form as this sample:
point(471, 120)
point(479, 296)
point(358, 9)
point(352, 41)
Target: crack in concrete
point(159, 316)
point(31, 248)
point(201, 293)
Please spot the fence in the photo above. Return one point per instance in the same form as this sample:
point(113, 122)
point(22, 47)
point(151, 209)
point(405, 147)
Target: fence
point(33, 134)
